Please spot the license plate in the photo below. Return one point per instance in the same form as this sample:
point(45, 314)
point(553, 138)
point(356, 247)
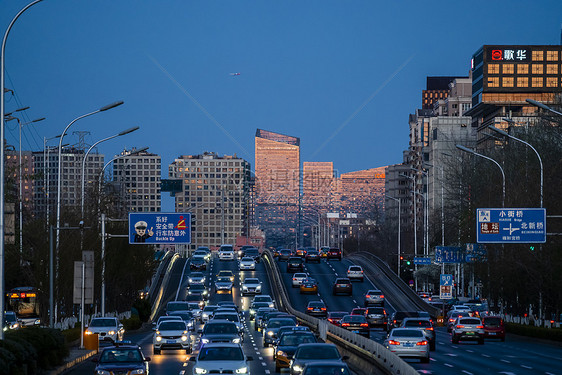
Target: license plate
point(491, 333)
point(355, 331)
point(170, 341)
point(470, 333)
point(408, 345)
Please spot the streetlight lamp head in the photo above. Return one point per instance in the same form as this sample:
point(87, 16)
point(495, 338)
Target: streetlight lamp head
point(466, 149)
point(40, 119)
point(130, 130)
point(508, 120)
point(499, 131)
point(537, 104)
point(21, 109)
point(110, 106)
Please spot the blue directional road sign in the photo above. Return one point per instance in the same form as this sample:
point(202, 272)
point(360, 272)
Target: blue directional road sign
point(446, 286)
point(511, 225)
point(422, 260)
point(160, 228)
point(449, 254)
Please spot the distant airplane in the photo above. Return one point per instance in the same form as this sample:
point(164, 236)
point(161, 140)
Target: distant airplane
point(234, 74)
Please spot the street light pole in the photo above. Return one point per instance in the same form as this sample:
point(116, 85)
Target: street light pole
point(415, 228)
point(506, 134)
point(543, 106)
point(397, 200)
point(466, 149)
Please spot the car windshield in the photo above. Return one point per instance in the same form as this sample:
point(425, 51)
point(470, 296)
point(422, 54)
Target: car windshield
point(220, 328)
point(406, 333)
point(469, 321)
point(355, 268)
point(316, 304)
point(175, 306)
point(262, 299)
point(375, 310)
point(343, 281)
point(223, 280)
point(226, 353)
point(251, 281)
point(184, 315)
point(171, 326)
point(120, 355)
point(197, 287)
point(193, 306)
point(210, 308)
point(229, 317)
point(196, 275)
point(417, 323)
point(276, 323)
point(10, 318)
point(338, 314)
point(247, 259)
point(353, 319)
point(294, 340)
point(103, 323)
point(492, 322)
point(314, 352)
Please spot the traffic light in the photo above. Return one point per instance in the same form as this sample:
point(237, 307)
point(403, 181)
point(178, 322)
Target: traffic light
point(532, 248)
point(408, 262)
point(401, 257)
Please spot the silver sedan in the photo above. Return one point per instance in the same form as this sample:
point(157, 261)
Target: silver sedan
point(407, 342)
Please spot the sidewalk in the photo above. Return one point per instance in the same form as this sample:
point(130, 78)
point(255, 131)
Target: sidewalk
point(75, 356)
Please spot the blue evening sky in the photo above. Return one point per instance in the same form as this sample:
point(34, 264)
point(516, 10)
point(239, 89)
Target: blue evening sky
point(341, 75)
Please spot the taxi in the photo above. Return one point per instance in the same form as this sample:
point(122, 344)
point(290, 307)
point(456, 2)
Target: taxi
point(308, 286)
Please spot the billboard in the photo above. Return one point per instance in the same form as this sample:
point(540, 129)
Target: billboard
point(160, 228)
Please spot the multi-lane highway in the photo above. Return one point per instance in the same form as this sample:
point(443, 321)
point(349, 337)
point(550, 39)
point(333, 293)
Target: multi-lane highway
point(514, 356)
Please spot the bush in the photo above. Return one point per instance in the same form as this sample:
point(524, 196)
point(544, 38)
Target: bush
point(554, 334)
point(144, 308)
point(49, 345)
point(132, 323)
point(72, 334)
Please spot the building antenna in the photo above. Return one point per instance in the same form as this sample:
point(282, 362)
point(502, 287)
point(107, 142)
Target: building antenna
point(81, 138)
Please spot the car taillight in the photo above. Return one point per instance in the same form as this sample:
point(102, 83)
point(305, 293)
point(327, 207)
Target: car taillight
point(392, 342)
point(429, 329)
point(345, 324)
point(451, 320)
point(294, 279)
point(331, 320)
point(481, 327)
point(364, 324)
point(422, 343)
point(382, 296)
point(323, 309)
point(309, 309)
point(459, 327)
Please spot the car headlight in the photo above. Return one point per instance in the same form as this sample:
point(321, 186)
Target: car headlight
point(158, 338)
point(37, 321)
point(183, 338)
point(199, 370)
point(204, 292)
point(252, 311)
point(242, 370)
point(258, 287)
point(297, 368)
point(137, 371)
point(190, 280)
point(111, 332)
point(281, 353)
point(271, 304)
point(236, 340)
point(102, 372)
point(270, 333)
point(204, 341)
point(88, 332)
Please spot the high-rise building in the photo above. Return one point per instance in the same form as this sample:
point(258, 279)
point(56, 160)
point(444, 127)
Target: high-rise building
point(12, 175)
point(437, 88)
point(138, 176)
point(45, 188)
point(216, 190)
point(361, 192)
point(318, 185)
point(277, 185)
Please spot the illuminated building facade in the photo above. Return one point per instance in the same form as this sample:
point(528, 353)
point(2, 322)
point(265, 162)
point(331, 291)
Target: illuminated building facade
point(277, 185)
point(437, 88)
point(362, 192)
point(318, 184)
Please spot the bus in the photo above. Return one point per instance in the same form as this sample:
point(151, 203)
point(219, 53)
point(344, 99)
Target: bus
point(24, 301)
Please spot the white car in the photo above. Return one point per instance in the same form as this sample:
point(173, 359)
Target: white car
point(355, 273)
point(251, 285)
point(223, 285)
point(108, 329)
point(226, 252)
point(265, 298)
point(171, 334)
point(298, 278)
point(196, 278)
point(247, 263)
point(207, 312)
point(231, 316)
point(221, 358)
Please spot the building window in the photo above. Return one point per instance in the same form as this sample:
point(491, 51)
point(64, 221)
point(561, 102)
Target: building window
point(522, 82)
point(538, 55)
point(537, 82)
point(508, 69)
point(551, 55)
point(522, 68)
point(537, 69)
point(494, 69)
point(507, 82)
point(493, 81)
point(551, 82)
point(551, 68)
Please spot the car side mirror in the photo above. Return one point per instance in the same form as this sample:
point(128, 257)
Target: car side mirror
point(192, 359)
point(120, 325)
point(249, 358)
point(147, 359)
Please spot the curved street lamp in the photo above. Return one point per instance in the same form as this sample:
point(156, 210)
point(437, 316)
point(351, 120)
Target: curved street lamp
point(397, 200)
point(543, 106)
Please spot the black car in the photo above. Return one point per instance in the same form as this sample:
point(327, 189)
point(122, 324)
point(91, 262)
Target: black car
point(253, 253)
point(312, 256)
point(334, 253)
point(342, 285)
point(121, 359)
point(198, 264)
point(317, 308)
point(356, 323)
point(198, 289)
point(285, 347)
point(295, 264)
point(284, 254)
point(398, 316)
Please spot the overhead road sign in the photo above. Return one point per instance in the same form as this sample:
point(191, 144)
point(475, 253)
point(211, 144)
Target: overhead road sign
point(449, 254)
point(160, 228)
point(511, 225)
point(476, 253)
point(422, 260)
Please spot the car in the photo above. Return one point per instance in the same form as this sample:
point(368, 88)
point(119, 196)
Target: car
point(265, 298)
point(342, 285)
point(309, 285)
point(108, 329)
point(374, 297)
point(202, 253)
point(312, 256)
point(242, 251)
point(326, 368)
point(494, 327)
point(162, 318)
point(187, 316)
point(324, 251)
point(11, 320)
point(276, 314)
point(124, 358)
point(231, 316)
point(198, 263)
point(254, 308)
point(228, 305)
point(356, 323)
point(358, 311)
point(409, 343)
point(284, 254)
point(176, 306)
point(301, 252)
point(398, 316)
point(221, 358)
point(219, 331)
point(247, 263)
point(317, 308)
point(275, 252)
point(198, 290)
point(195, 302)
point(290, 329)
point(196, 278)
point(253, 253)
point(287, 344)
point(226, 273)
point(423, 324)
point(295, 264)
point(223, 284)
point(314, 353)
point(334, 317)
point(424, 296)
point(452, 318)
point(377, 317)
point(355, 273)
point(298, 278)
point(251, 285)
point(207, 312)
point(273, 325)
point(206, 250)
point(171, 334)
point(467, 328)
point(334, 253)
point(260, 313)
point(226, 252)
